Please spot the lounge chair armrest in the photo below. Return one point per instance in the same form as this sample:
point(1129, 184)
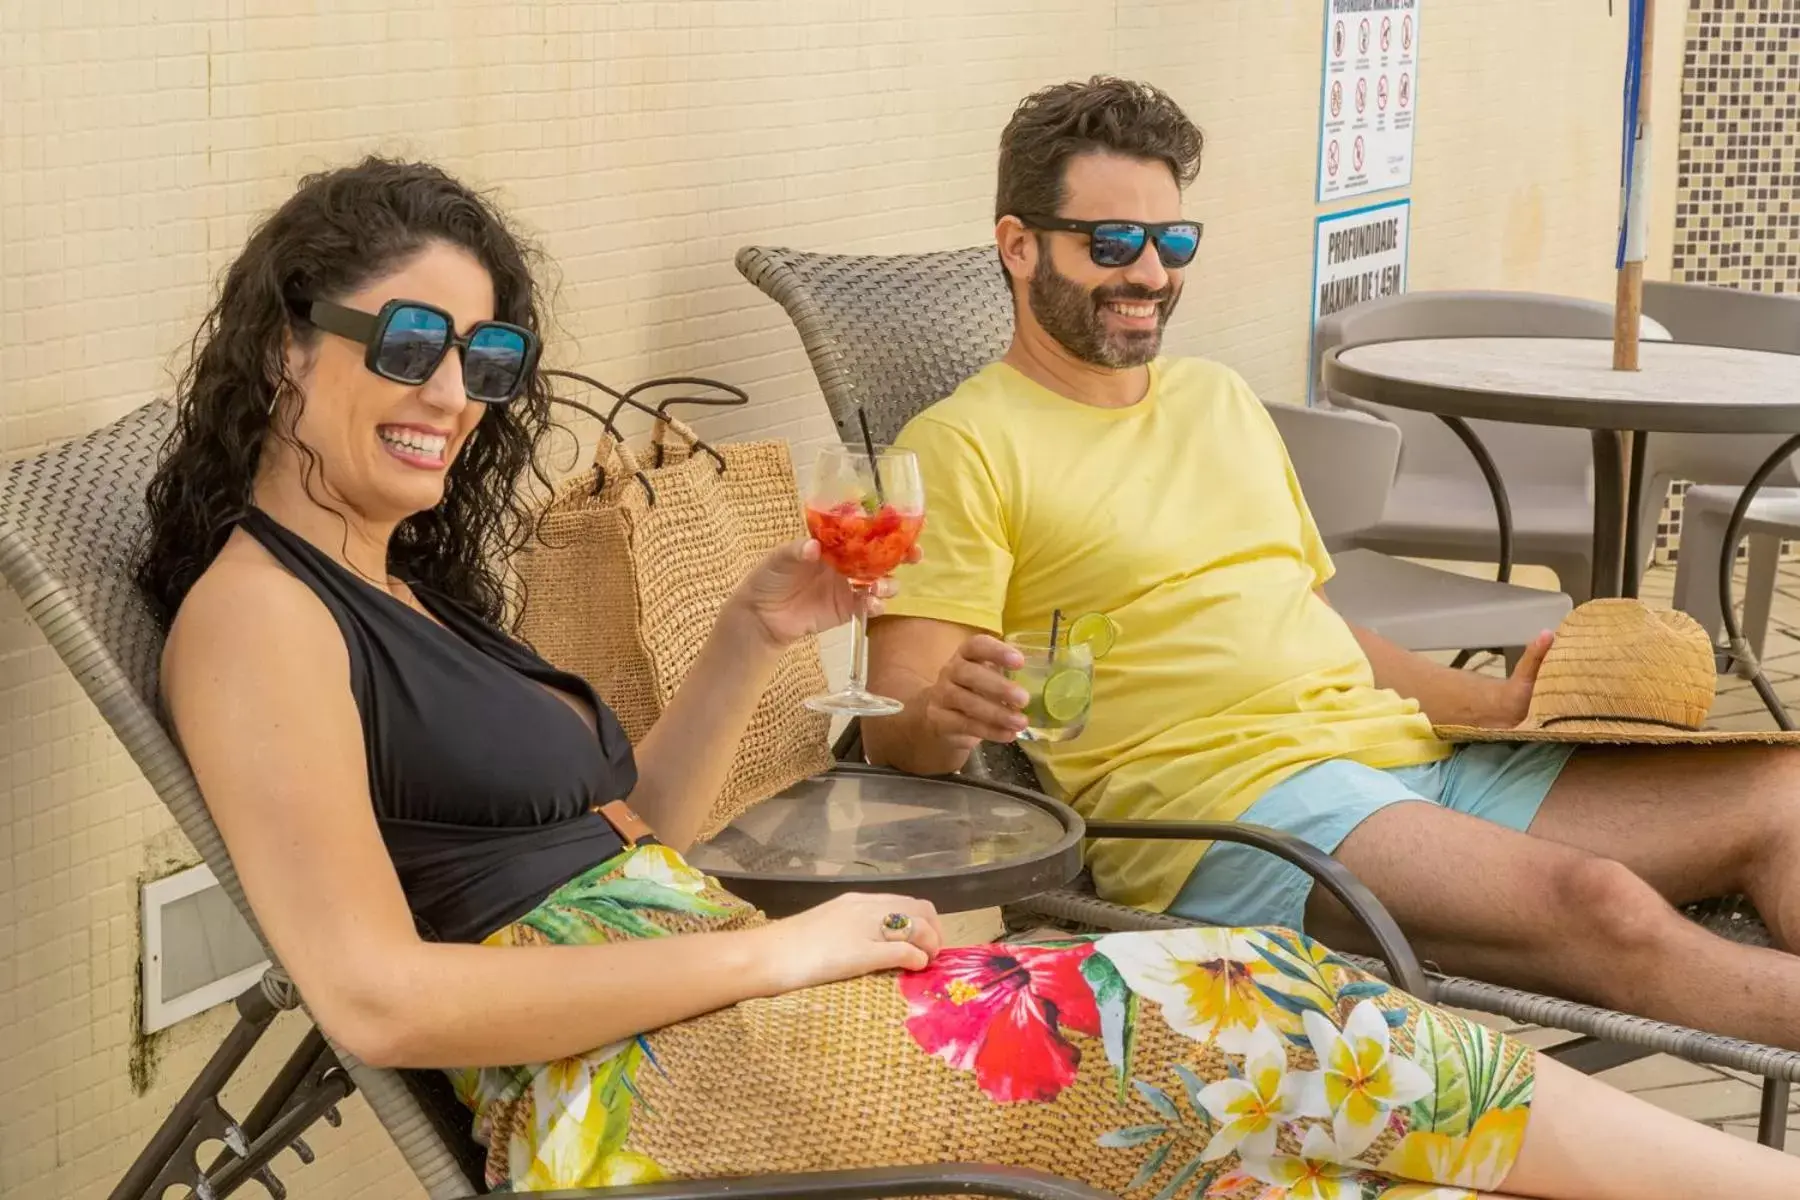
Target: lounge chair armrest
point(1391, 944)
point(945, 1179)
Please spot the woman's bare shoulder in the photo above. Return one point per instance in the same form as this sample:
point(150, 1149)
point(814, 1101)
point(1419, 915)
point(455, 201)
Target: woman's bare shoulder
point(247, 613)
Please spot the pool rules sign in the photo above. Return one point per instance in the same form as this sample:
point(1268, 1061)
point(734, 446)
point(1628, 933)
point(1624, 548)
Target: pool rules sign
point(1358, 256)
point(1368, 97)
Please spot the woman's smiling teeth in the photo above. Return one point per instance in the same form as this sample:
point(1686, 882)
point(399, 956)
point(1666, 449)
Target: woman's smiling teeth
point(415, 446)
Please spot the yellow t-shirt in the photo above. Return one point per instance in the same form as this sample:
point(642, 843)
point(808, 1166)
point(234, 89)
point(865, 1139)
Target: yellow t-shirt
point(1179, 517)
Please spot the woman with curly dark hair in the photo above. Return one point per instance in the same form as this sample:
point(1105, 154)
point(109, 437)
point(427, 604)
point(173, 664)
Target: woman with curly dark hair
point(240, 388)
point(430, 823)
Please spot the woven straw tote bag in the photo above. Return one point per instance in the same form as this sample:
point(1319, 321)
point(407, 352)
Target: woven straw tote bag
point(628, 572)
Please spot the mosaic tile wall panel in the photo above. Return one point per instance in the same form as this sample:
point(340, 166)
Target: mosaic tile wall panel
point(1737, 215)
point(1737, 198)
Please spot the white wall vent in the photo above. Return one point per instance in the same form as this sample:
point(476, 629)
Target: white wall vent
point(197, 950)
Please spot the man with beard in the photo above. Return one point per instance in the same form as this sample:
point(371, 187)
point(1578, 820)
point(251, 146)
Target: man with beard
point(1084, 473)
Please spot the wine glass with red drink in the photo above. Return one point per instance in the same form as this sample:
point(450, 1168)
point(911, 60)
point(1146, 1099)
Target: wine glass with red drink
point(865, 507)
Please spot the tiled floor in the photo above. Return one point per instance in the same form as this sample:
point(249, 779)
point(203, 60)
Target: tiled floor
point(1726, 1099)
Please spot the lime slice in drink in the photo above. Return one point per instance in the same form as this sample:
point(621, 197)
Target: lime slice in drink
point(1067, 694)
point(1097, 630)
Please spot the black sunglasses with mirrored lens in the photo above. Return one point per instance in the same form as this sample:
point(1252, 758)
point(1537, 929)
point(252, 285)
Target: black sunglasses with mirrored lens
point(407, 340)
point(1120, 243)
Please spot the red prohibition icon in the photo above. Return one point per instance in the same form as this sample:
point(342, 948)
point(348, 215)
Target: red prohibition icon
point(1387, 33)
point(1362, 94)
point(1337, 97)
point(1331, 160)
point(1356, 154)
point(1362, 37)
point(1381, 94)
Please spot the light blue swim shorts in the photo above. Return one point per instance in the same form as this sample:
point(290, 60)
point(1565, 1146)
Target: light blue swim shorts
point(1240, 885)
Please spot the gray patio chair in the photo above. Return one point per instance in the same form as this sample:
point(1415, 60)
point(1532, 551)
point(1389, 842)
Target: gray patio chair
point(1345, 461)
point(1705, 315)
point(69, 520)
point(1718, 316)
point(1441, 506)
point(1773, 517)
point(893, 334)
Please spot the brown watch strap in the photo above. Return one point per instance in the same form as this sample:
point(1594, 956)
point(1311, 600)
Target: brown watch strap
point(625, 820)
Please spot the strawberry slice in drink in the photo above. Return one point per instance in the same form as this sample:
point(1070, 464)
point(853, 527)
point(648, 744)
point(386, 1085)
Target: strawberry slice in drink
point(861, 545)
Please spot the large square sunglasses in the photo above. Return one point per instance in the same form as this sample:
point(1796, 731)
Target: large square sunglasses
point(407, 340)
point(1121, 243)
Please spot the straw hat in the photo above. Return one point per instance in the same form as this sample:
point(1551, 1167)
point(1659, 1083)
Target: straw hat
point(1622, 672)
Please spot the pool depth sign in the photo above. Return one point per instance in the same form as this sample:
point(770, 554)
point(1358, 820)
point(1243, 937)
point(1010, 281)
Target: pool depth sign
point(1358, 256)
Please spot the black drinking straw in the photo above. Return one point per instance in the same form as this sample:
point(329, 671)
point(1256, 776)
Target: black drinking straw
point(869, 445)
point(1055, 620)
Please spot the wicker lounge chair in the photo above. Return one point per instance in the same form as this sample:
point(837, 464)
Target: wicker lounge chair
point(892, 334)
point(69, 518)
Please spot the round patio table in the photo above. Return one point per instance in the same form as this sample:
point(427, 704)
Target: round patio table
point(1679, 388)
point(960, 843)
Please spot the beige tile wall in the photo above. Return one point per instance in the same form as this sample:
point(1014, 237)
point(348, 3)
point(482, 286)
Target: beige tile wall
point(644, 142)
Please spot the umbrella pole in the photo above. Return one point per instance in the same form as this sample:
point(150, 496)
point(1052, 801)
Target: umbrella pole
point(1628, 311)
point(1628, 305)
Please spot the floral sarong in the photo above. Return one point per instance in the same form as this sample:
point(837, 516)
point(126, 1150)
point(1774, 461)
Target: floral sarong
point(1199, 1064)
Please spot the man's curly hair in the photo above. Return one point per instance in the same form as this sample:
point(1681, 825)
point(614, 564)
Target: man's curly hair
point(1117, 116)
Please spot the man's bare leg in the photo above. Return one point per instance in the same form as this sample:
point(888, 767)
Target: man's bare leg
point(1694, 821)
point(1481, 900)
